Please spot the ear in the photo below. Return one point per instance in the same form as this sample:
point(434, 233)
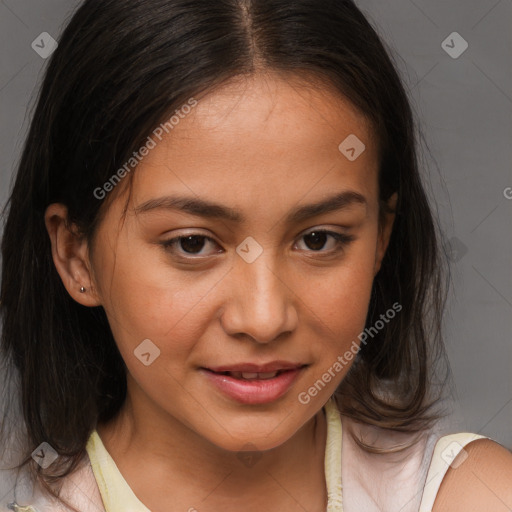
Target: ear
point(385, 229)
point(69, 252)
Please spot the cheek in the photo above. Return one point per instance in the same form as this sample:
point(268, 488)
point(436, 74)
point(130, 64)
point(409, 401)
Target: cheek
point(148, 299)
point(340, 300)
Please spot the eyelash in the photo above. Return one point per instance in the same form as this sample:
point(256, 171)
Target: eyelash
point(342, 241)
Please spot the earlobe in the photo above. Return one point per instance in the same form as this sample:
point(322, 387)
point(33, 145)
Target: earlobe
point(385, 229)
point(69, 253)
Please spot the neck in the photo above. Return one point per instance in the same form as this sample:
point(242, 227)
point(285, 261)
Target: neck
point(162, 457)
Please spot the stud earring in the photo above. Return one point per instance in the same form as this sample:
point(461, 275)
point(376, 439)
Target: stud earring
point(82, 289)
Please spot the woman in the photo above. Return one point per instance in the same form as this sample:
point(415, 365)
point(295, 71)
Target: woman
point(221, 280)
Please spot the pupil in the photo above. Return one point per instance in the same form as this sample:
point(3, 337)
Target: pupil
point(192, 242)
point(319, 238)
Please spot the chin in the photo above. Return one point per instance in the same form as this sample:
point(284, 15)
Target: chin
point(256, 434)
point(252, 442)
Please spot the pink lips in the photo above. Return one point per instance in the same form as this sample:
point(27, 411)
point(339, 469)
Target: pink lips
point(259, 385)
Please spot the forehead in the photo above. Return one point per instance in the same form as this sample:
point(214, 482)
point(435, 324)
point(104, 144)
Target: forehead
point(268, 111)
point(269, 136)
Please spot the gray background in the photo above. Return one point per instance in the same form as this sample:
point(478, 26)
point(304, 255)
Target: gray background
point(464, 106)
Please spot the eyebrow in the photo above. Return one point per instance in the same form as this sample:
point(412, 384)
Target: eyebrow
point(208, 209)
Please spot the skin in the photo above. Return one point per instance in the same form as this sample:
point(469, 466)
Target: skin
point(262, 148)
point(483, 481)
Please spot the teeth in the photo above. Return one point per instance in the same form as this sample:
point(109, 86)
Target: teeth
point(253, 376)
point(249, 376)
point(268, 375)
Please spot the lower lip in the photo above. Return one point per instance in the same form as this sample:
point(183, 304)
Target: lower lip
point(253, 391)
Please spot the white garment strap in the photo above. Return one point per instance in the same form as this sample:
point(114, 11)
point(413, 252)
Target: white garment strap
point(332, 460)
point(445, 454)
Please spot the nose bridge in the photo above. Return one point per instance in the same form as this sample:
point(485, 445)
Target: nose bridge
point(262, 305)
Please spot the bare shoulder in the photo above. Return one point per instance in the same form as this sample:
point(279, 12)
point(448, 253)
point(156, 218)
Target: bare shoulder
point(480, 480)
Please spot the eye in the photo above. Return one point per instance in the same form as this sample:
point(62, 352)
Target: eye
point(317, 239)
point(189, 244)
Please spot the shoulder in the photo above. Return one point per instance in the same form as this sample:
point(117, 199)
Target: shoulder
point(481, 479)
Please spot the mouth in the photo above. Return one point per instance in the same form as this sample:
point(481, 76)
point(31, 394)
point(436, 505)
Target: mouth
point(254, 384)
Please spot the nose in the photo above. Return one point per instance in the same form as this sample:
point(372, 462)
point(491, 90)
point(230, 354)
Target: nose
point(260, 304)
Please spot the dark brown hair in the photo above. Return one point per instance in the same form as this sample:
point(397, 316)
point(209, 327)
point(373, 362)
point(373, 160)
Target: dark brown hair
point(121, 68)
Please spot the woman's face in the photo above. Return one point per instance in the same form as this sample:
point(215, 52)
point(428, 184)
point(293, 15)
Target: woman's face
point(255, 290)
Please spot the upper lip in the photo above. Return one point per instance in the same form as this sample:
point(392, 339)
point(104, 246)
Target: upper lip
point(257, 368)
